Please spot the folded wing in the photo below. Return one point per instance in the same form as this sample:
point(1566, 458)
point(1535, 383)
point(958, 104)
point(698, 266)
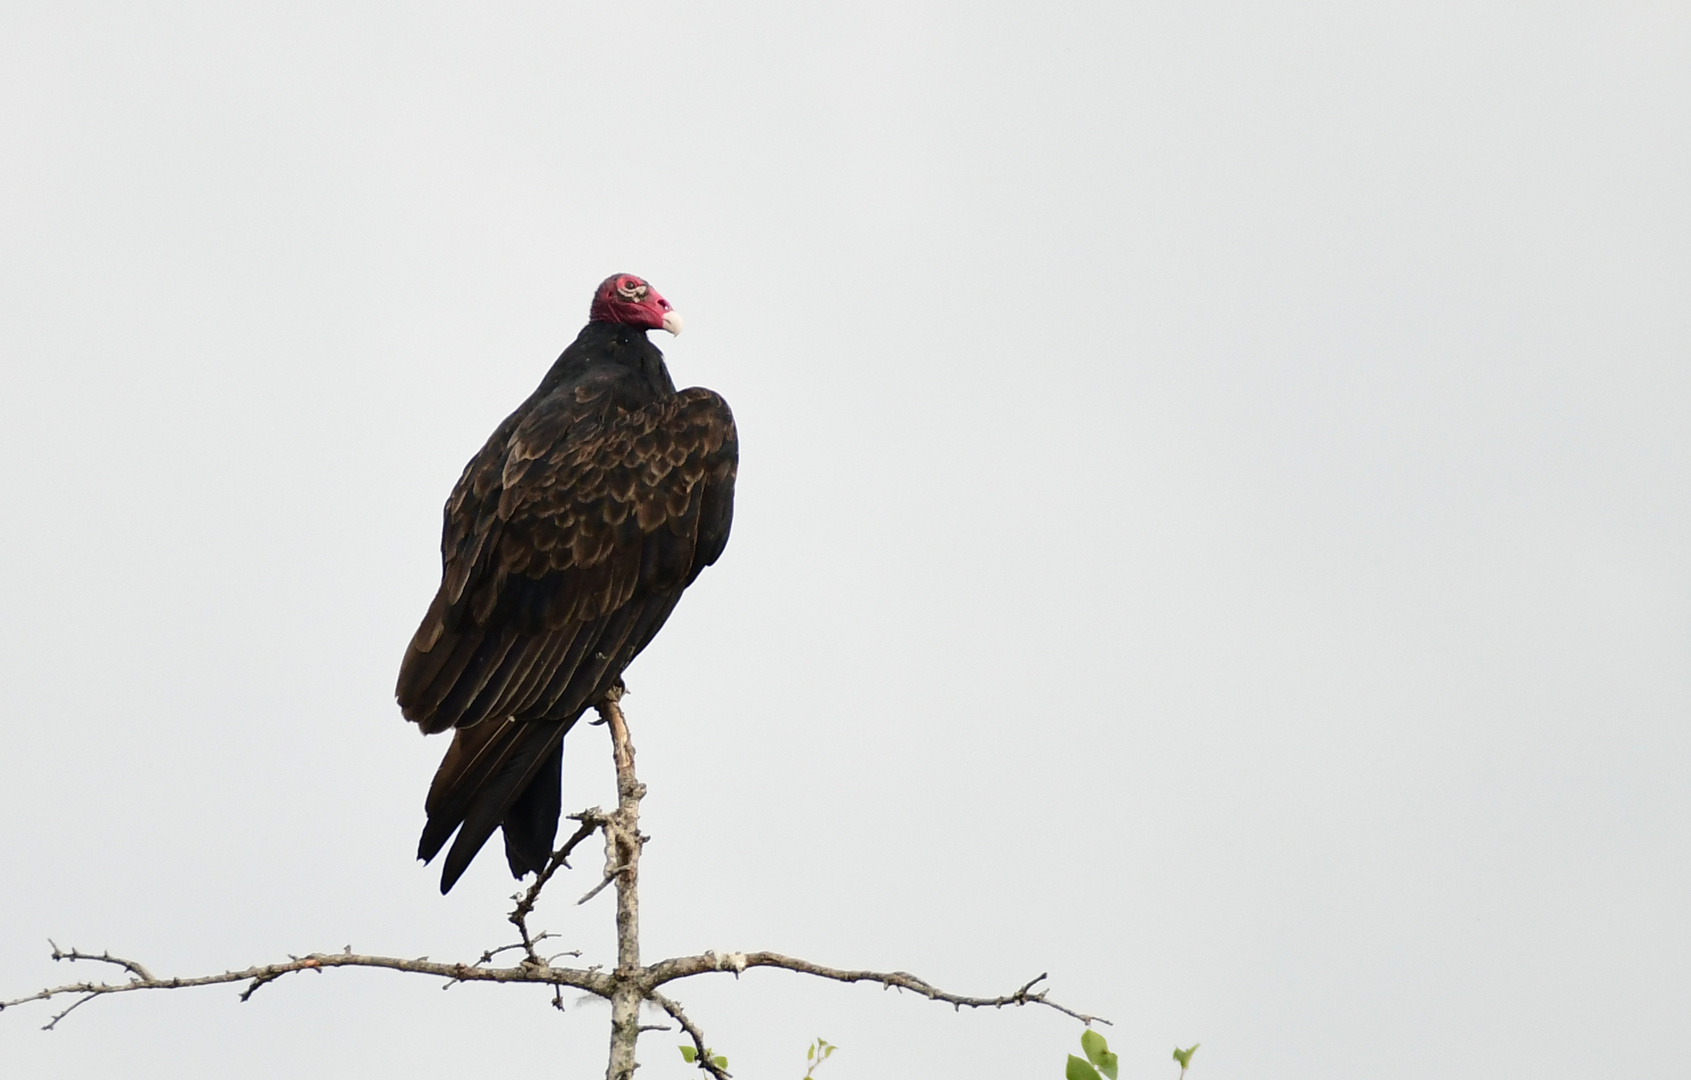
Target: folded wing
point(568, 541)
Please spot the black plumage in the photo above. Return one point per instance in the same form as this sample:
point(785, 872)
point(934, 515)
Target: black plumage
point(567, 542)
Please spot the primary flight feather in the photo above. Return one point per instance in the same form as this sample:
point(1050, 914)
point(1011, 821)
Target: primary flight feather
point(568, 540)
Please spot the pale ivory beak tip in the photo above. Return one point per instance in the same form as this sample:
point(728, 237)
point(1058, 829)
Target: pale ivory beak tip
point(672, 322)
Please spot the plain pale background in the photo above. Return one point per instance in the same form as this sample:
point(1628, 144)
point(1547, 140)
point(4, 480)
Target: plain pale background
point(1212, 522)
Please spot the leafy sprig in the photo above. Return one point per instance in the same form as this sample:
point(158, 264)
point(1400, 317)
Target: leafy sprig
point(690, 1054)
point(820, 1050)
point(1100, 1063)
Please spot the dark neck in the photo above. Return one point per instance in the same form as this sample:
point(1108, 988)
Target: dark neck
point(602, 343)
point(610, 335)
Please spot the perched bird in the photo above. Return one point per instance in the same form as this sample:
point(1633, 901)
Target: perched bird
point(568, 540)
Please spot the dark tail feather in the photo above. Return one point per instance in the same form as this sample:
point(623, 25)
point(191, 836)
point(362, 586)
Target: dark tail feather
point(502, 775)
point(471, 756)
point(531, 824)
point(507, 773)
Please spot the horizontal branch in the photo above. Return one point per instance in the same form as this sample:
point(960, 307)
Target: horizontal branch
point(686, 966)
point(593, 982)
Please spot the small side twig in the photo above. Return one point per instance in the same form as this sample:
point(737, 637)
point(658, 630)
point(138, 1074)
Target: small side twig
point(703, 1058)
point(610, 876)
point(74, 955)
point(67, 1010)
point(591, 819)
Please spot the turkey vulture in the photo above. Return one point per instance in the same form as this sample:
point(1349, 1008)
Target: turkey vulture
point(568, 540)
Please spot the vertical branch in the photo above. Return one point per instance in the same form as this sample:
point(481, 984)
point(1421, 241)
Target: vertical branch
point(622, 862)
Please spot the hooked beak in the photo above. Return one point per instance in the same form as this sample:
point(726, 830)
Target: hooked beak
point(672, 322)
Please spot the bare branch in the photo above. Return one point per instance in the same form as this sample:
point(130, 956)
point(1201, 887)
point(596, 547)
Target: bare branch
point(591, 819)
point(594, 982)
point(686, 966)
point(74, 955)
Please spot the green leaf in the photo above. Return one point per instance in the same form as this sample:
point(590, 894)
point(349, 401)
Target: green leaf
point(1184, 1056)
point(1079, 1070)
point(689, 1055)
point(1094, 1045)
point(1098, 1052)
point(720, 1062)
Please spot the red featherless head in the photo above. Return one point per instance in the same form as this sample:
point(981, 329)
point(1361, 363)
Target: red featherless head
point(626, 299)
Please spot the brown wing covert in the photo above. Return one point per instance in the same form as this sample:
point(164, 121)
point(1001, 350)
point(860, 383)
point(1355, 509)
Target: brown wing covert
point(589, 515)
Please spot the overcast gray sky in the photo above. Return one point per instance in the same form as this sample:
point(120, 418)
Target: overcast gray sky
point(1212, 520)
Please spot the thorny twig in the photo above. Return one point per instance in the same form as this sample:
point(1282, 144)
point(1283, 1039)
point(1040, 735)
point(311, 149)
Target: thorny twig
point(610, 876)
point(687, 966)
point(590, 819)
point(594, 982)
